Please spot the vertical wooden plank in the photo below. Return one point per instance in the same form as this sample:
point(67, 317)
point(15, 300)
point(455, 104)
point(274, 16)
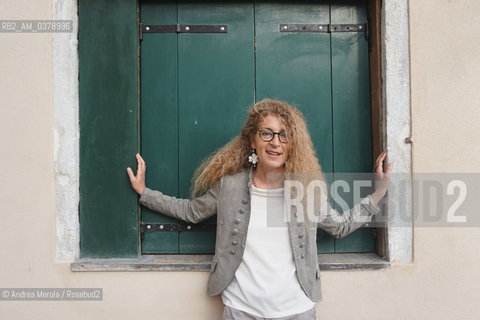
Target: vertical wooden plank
point(108, 128)
point(351, 110)
point(295, 67)
point(159, 117)
point(374, 21)
point(216, 88)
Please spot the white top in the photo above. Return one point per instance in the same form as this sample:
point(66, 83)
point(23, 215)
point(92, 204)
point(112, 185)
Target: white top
point(265, 283)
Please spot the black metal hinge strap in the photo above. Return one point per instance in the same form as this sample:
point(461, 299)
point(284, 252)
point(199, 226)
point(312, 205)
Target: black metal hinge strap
point(183, 28)
point(323, 28)
point(176, 227)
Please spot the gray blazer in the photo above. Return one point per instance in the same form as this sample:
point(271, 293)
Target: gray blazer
point(229, 198)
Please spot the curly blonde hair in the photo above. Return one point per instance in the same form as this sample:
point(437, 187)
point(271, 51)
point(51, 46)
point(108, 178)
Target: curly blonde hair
point(233, 157)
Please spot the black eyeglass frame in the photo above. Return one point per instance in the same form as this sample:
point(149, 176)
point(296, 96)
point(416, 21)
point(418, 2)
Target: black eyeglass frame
point(273, 135)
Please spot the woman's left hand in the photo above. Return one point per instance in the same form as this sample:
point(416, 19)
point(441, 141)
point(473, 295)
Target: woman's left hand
point(382, 178)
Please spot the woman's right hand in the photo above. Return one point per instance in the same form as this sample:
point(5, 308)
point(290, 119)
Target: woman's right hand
point(382, 179)
point(138, 181)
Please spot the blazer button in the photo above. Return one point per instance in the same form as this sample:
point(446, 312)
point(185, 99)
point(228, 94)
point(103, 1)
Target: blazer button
point(299, 224)
point(235, 231)
point(241, 211)
point(300, 236)
point(236, 221)
point(233, 252)
point(235, 242)
point(244, 201)
point(301, 244)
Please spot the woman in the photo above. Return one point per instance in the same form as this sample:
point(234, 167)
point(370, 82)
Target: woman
point(260, 271)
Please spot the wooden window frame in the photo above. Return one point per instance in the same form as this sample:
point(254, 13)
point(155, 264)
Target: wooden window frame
point(375, 61)
point(328, 261)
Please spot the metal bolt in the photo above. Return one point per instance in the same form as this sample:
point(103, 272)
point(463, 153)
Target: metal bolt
point(320, 27)
point(187, 28)
point(161, 227)
point(222, 28)
point(149, 227)
point(189, 227)
point(359, 27)
point(285, 27)
point(147, 28)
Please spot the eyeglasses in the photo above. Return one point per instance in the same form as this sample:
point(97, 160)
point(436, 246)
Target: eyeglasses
point(268, 135)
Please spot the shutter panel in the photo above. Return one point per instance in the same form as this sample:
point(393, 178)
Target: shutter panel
point(195, 92)
point(351, 113)
point(108, 128)
point(196, 87)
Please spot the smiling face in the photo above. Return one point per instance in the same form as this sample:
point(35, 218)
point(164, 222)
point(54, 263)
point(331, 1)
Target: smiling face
point(271, 155)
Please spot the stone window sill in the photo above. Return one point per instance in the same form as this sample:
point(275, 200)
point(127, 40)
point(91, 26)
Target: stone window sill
point(201, 262)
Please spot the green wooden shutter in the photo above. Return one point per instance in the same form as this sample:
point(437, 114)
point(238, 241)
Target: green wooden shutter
point(196, 89)
point(159, 118)
point(296, 67)
point(352, 129)
point(108, 128)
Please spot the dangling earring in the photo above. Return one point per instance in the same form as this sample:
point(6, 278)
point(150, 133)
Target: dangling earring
point(253, 158)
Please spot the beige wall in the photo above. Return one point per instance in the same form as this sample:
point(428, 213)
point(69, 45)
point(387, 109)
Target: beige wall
point(442, 282)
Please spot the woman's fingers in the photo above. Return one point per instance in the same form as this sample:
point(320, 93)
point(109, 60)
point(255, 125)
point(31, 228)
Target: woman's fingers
point(381, 157)
point(379, 162)
point(138, 181)
point(140, 169)
point(130, 174)
point(378, 158)
point(382, 178)
point(141, 163)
